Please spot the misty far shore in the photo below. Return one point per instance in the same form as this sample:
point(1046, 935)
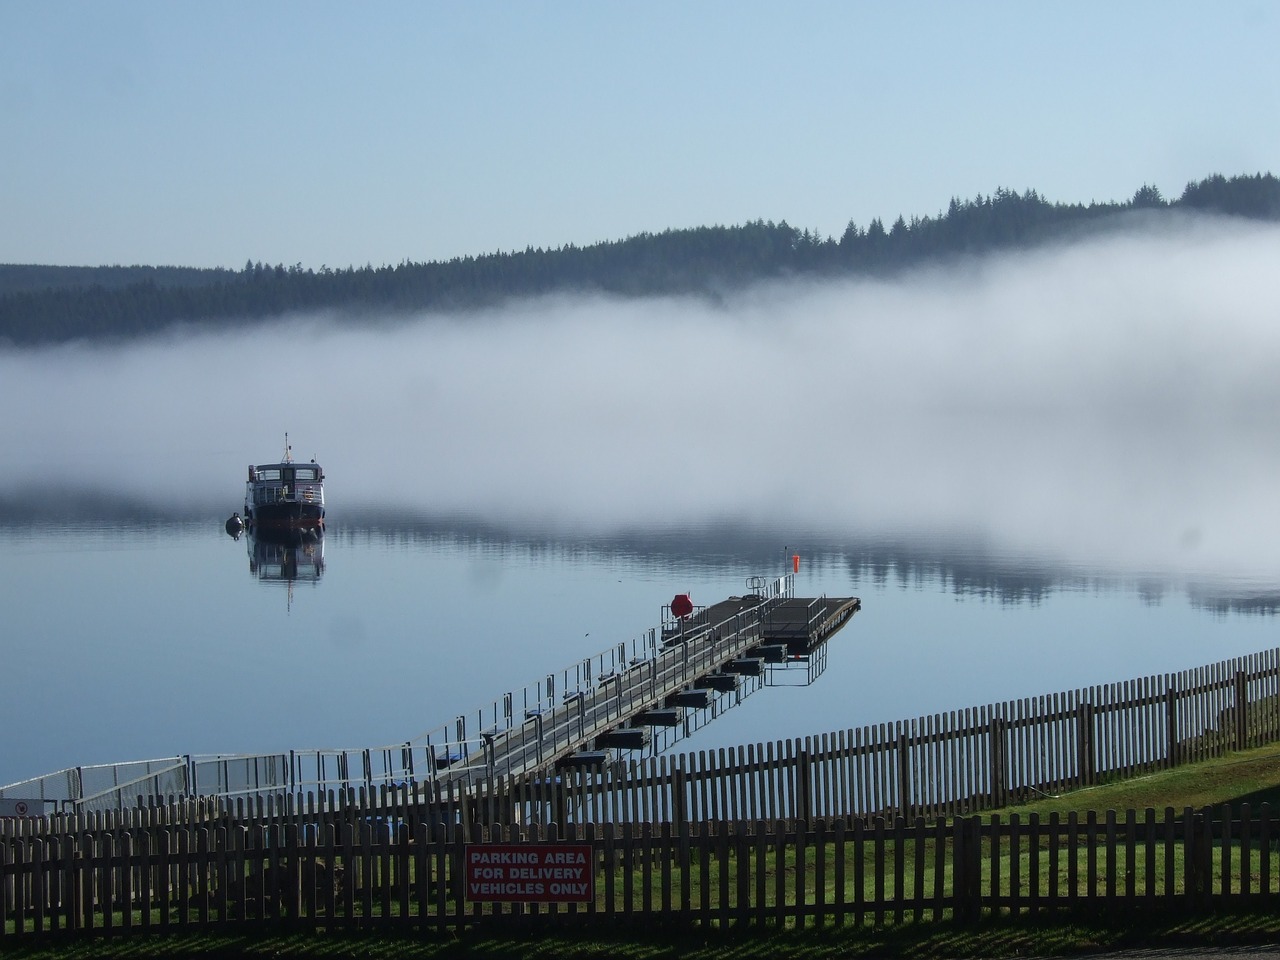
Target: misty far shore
point(52, 304)
point(1104, 403)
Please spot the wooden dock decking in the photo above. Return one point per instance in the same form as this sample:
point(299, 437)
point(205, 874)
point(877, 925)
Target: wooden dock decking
point(799, 622)
point(708, 652)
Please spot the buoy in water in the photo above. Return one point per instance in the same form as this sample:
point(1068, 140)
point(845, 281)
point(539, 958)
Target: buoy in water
point(235, 525)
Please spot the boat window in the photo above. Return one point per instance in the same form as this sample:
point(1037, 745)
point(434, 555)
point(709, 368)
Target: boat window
point(305, 473)
point(269, 473)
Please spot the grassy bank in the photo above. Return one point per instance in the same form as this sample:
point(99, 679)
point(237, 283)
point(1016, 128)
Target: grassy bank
point(1248, 776)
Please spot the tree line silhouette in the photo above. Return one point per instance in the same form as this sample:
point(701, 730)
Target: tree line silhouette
point(49, 304)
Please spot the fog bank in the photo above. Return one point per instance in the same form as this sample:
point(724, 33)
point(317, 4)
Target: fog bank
point(1108, 404)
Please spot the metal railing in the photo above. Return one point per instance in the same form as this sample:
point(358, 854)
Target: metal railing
point(520, 731)
point(106, 786)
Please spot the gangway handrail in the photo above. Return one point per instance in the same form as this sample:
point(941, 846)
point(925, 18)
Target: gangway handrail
point(181, 764)
point(816, 606)
point(68, 776)
point(569, 715)
point(780, 587)
point(471, 755)
point(600, 709)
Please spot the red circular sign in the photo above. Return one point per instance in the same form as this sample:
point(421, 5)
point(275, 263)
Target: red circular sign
point(681, 606)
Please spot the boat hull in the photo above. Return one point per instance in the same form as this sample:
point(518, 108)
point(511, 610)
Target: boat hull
point(286, 518)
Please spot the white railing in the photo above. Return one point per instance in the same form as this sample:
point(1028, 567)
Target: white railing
point(520, 731)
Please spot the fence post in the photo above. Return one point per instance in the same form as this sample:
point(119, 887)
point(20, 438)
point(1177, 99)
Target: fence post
point(804, 787)
point(1197, 856)
point(959, 891)
point(966, 868)
point(1086, 764)
point(457, 873)
point(1242, 709)
point(679, 786)
point(1171, 724)
point(292, 897)
point(904, 773)
point(999, 763)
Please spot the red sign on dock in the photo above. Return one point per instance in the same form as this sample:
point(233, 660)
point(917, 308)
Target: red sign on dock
point(529, 873)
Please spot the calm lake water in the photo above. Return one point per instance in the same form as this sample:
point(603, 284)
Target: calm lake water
point(140, 638)
point(1039, 471)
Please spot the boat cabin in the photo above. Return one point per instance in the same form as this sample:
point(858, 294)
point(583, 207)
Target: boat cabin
point(285, 497)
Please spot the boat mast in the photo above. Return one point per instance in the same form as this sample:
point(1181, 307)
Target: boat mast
point(288, 454)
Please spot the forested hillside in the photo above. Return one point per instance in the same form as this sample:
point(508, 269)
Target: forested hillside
point(44, 304)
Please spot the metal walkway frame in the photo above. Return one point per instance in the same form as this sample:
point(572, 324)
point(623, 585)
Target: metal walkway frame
point(568, 716)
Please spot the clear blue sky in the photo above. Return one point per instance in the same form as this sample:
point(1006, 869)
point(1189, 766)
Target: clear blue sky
point(206, 134)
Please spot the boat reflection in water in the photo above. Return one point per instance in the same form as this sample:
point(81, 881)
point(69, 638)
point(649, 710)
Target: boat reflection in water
point(286, 557)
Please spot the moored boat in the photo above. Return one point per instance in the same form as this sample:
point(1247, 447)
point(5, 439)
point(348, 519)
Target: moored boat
point(285, 497)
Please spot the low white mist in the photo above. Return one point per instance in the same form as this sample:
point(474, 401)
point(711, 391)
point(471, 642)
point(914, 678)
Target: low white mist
point(1109, 403)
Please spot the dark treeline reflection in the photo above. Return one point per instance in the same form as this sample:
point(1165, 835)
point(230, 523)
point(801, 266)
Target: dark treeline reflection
point(32, 508)
point(959, 566)
point(1261, 604)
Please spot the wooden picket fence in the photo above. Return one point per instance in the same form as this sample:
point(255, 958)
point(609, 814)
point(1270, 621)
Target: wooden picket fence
point(221, 875)
point(871, 824)
point(945, 765)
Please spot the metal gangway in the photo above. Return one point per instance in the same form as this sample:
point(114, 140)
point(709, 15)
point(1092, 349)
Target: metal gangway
point(564, 717)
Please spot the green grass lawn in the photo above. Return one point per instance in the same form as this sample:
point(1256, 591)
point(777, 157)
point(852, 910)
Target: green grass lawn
point(1249, 776)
